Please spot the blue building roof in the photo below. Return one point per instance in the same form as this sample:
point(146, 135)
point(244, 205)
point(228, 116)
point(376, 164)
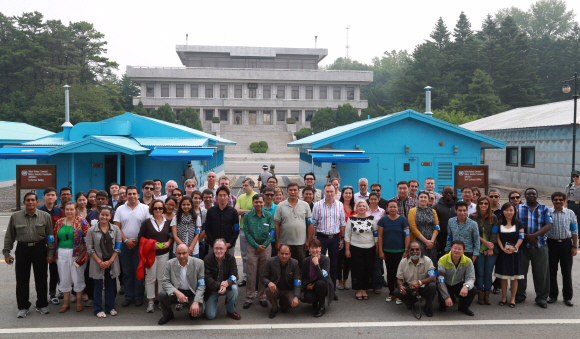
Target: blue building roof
point(101, 144)
point(172, 142)
point(342, 132)
point(19, 132)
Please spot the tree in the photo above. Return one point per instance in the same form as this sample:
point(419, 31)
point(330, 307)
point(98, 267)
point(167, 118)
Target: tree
point(127, 90)
point(544, 18)
point(164, 113)
point(346, 114)
point(190, 118)
point(440, 35)
point(139, 109)
point(462, 30)
point(481, 99)
point(453, 117)
point(324, 119)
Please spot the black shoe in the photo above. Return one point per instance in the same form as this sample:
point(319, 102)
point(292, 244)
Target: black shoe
point(247, 305)
point(496, 290)
point(272, 314)
point(192, 317)
point(122, 290)
point(442, 308)
point(263, 303)
point(156, 302)
point(164, 320)
point(542, 305)
point(126, 302)
point(60, 295)
point(568, 303)
point(385, 283)
point(320, 312)
point(519, 301)
point(138, 302)
point(552, 300)
point(335, 297)
point(315, 305)
point(428, 312)
point(242, 283)
point(467, 311)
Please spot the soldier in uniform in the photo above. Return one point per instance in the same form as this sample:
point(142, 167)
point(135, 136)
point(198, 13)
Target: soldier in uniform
point(572, 192)
point(32, 228)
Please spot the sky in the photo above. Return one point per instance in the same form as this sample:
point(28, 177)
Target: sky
point(144, 33)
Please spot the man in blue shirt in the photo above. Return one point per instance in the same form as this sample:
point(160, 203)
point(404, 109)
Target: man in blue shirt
point(537, 221)
point(464, 229)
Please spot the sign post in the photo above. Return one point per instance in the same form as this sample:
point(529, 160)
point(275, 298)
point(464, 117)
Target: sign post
point(473, 176)
point(34, 177)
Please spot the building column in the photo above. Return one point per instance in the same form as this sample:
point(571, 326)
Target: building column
point(359, 112)
point(303, 117)
point(231, 116)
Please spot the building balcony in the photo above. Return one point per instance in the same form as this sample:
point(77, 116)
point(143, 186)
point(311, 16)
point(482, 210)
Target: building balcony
point(247, 103)
point(200, 74)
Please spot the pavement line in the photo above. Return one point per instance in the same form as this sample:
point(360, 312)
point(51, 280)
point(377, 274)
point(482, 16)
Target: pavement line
point(293, 326)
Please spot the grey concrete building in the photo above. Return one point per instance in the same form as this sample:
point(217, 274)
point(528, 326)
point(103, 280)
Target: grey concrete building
point(539, 153)
point(249, 85)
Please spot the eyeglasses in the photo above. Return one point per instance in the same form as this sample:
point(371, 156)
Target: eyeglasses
point(376, 191)
point(147, 188)
point(431, 198)
point(158, 208)
point(558, 200)
point(190, 186)
point(346, 187)
point(483, 204)
point(514, 198)
point(309, 179)
point(494, 196)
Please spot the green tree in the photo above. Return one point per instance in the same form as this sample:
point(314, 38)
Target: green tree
point(440, 35)
point(164, 113)
point(323, 119)
point(481, 99)
point(139, 109)
point(303, 133)
point(453, 117)
point(462, 30)
point(190, 118)
point(544, 18)
point(127, 90)
point(346, 114)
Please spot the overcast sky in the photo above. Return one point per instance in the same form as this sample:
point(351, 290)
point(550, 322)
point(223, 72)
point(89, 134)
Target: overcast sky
point(144, 33)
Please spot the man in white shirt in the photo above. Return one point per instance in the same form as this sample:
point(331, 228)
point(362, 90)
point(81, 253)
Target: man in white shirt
point(157, 191)
point(467, 196)
point(211, 183)
point(430, 187)
point(363, 185)
point(129, 218)
point(169, 187)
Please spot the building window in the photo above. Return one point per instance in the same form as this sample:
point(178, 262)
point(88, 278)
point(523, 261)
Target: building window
point(281, 63)
point(295, 92)
point(267, 117)
point(511, 156)
point(164, 90)
point(208, 62)
point(209, 91)
point(309, 64)
point(529, 156)
point(195, 91)
point(281, 115)
point(309, 92)
point(208, 114)
point(238, 63)
point(281, 94)
point(336, 93)
point(223, 115)
point(350, 93)
point(252, 63)
point(223, 91)
point(179, 90)
point(268, 64)
point(252, 93)
point(323, 92)
point(309, 115)
point(406, 167)
point(295, 115)
point(150, 90)
point(482, 156)
point(267, 92)
point(237, 91)
point(223, 62)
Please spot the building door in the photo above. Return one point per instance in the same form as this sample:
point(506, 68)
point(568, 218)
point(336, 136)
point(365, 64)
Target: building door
point(111, 170)
point(267, 118)
point(406, 168)
point(237, 117)
point(252, 118)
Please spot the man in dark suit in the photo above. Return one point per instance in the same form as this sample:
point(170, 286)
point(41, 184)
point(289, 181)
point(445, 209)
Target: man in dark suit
point(282, 278)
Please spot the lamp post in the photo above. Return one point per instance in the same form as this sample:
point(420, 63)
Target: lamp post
point(566, 89)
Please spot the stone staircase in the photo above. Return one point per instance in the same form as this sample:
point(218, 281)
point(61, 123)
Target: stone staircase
point(275, 135)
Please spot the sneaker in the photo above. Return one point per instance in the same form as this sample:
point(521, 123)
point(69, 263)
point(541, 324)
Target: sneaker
point(113, 312)
point(22, 313)
point(54, 300)
point(60, 295)
point(179, 307)
point(150, 307)
point(43, 310)
point(101, 314)
point(89, 303)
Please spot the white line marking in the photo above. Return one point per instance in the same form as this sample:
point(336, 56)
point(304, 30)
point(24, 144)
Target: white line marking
point(293, 326)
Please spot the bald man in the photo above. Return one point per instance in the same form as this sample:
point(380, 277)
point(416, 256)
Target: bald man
point(211, 183)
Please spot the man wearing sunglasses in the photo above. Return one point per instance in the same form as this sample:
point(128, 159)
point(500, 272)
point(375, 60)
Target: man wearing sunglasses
point(147, 187)
point(495, 207)
point(376, 188)
point(445, 209)
point(572, 192)
point(562, 240)
point(309, 181)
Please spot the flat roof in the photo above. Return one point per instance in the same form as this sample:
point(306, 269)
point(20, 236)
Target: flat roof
point(251, 52)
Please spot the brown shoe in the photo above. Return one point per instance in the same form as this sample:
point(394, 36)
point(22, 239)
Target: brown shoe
point(80, 307)
point(480, 297)
point(486, 298)
point(64, 307)
point(234, 315)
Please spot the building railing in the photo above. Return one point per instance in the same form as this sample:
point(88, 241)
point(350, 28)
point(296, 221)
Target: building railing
point(256, 69)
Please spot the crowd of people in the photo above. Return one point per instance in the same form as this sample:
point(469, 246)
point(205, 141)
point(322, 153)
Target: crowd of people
point(178, 248)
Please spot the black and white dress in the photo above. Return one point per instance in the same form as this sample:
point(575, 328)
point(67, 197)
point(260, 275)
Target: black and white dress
point(509, 266)
point(361, 234)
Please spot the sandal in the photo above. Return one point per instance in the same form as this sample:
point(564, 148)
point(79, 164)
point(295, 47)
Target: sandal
point(502, 303)
point(358, 297)
point(340, 287)
point(101, 314)
point(365, 297)
point(512, 305)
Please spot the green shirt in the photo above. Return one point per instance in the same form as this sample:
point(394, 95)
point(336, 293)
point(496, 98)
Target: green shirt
point(25, 228)
point(245, 203)
point(62, 237)
point(259, 230)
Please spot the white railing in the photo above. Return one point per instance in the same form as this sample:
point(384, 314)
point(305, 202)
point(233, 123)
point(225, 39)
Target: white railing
point(255, 69)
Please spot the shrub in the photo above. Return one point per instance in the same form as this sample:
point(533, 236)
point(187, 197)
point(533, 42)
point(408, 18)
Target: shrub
point(215, 120)
point(259, 147)
point(303, 133)
point(291, 120)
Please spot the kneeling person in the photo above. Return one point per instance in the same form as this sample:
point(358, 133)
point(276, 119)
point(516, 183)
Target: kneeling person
point(221, 274)
point(416, 273)
point(316, 282)
point(183, 282)
point(282, 280)
point(456, 276)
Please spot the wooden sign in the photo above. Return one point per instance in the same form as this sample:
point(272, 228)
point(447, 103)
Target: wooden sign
point(472, 175)
point(426, 164)
point(34, 177)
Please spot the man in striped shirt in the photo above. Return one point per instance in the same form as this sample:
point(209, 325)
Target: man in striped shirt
point(562, 247)
point(537, 221)
point(329, 221)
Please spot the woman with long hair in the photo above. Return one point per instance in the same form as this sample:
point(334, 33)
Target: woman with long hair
point(347, 200)
point(92, 197)
point(424, 225)
point(486, 222)
point(186, 227)
point(279, 196)
point(82, 202)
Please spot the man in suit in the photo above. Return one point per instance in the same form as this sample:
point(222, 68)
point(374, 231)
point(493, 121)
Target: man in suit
point(183, 282)
point(282, 278)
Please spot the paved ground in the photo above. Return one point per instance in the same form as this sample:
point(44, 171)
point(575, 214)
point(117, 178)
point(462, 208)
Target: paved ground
point(255, 167)
point(345, 318)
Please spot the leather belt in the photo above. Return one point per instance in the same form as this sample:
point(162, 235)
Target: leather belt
point(327, 235)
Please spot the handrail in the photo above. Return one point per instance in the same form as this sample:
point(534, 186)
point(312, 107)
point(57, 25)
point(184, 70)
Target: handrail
point(256, 69)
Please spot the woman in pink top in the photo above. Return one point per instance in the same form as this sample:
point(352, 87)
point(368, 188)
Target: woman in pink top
point(347, 200)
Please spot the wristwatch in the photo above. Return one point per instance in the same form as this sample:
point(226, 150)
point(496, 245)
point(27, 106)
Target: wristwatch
point(420, 283)
point(466, 285)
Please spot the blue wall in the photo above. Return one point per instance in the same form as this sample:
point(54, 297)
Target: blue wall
point(386, 148)
point(8, 167)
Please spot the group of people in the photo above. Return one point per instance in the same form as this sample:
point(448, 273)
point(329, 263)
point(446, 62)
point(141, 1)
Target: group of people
point(178, 248)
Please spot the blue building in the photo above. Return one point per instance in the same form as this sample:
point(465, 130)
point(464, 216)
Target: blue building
point(15, 133)
point(127, 149)
point(401, 146)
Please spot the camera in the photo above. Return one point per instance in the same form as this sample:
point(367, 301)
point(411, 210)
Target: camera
point(415, 293)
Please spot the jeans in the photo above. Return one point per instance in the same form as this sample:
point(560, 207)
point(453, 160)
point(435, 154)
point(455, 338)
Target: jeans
point(428, 293)
point(211, 304)
point(166, 300)
point(134, 289)
point(201, 249)
point(243, 251)
point(109, 293)
point(378, 273)
point(484, 271)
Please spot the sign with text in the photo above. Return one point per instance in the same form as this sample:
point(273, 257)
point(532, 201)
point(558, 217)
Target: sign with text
point(471, 175)
point(34, 177)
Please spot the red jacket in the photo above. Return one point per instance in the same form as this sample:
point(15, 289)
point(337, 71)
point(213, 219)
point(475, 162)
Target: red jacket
point(146, 256)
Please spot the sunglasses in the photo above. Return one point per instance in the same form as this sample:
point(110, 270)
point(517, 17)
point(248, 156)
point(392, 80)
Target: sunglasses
point(483, 203)
point(415, 250)
point(178, 195)
point(494, 196)
point(269, 195)
point(148, 188)
point(575, 176)
point(158, 208)
point(558, 200)
point(514, 198)
point(447, 192)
